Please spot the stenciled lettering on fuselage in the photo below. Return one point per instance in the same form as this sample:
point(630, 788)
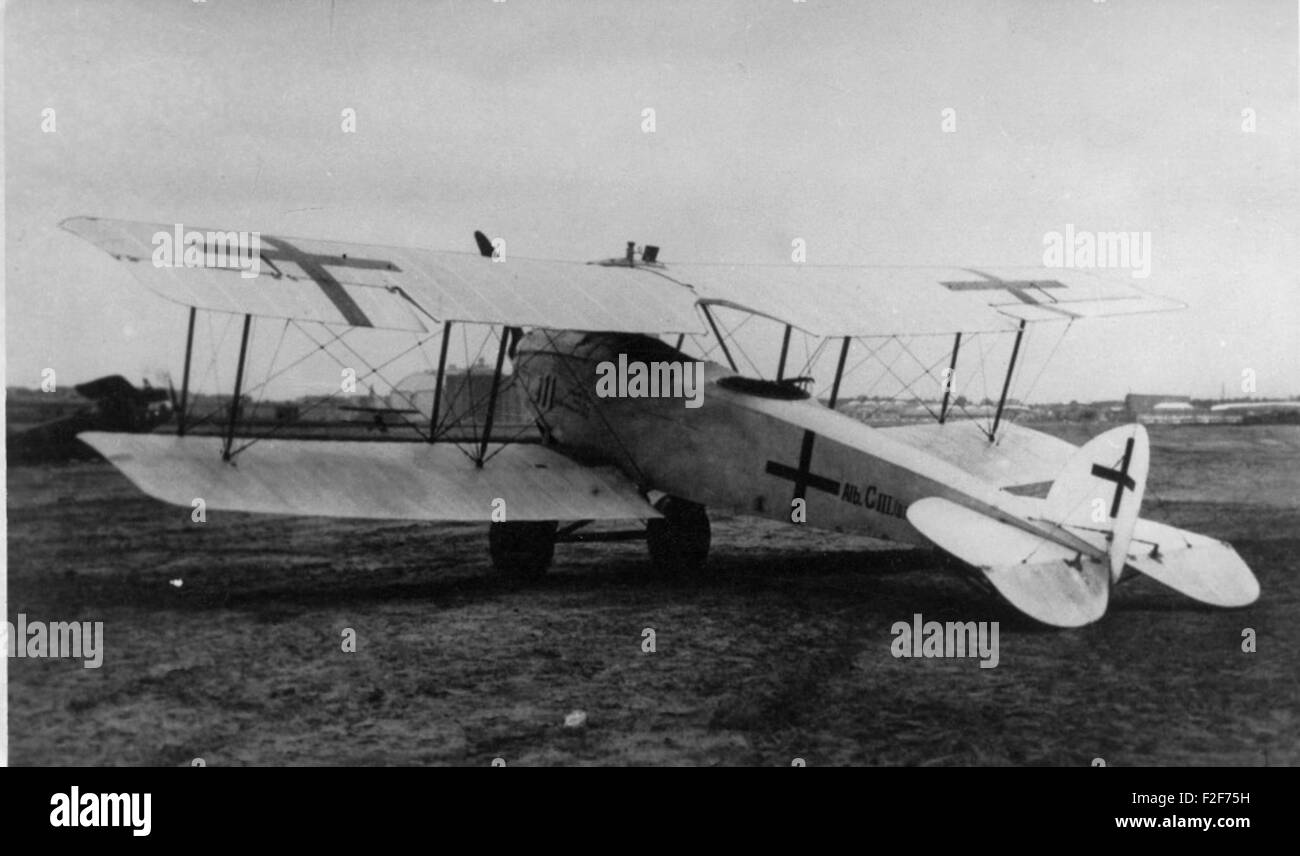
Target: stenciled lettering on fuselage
point(869, 496)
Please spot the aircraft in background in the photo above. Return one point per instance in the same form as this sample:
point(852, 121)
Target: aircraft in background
point(44, 426)
point(758, 445)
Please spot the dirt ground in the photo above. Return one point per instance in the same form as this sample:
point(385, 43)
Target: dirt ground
point(780, 651)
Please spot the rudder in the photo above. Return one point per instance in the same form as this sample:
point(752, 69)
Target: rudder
point(1099, 493)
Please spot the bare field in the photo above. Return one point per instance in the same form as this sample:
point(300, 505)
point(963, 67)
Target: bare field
point(781, 650)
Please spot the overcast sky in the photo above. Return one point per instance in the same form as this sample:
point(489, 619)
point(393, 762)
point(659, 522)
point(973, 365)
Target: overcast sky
point(774, 120)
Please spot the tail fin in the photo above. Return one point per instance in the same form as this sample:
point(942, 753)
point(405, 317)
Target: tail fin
point(1057, 563)
point(1099, 493)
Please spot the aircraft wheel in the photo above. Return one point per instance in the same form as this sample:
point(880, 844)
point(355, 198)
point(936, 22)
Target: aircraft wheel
point(523, 549)
point(678, 541)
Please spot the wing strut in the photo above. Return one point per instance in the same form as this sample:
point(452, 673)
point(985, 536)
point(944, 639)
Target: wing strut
point(239, 383)
point(185, 380)
point(839, 371)
point(952, 374)
point(721, 341)
point(492, 397)
point(442, 373)
point(785, 348)
point(1006, 384)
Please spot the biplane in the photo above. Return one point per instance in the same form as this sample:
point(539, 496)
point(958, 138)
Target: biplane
point(1048, 526)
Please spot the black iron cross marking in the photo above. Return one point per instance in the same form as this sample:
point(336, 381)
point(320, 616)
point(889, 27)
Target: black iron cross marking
point(1120, 477)
point(1018, 288)
point(314, 266)
point(802, 477)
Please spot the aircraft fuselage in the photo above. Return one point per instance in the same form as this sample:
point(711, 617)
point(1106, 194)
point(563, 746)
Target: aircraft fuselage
point(748, 448)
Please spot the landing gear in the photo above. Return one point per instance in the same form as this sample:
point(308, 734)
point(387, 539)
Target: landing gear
point(523, 550)
point(678, 541)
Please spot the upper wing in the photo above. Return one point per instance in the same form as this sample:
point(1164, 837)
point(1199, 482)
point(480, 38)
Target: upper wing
point(399, 289)
point(884, 301)
point(412, 289)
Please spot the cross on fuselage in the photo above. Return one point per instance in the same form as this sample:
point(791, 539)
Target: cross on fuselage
point(803, 477)
point(1120, 477)
point(315, 267)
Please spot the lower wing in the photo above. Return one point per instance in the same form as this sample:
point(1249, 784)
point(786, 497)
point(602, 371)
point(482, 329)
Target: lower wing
point(393, 481)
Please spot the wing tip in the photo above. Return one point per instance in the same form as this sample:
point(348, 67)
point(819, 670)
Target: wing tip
point(67, 222)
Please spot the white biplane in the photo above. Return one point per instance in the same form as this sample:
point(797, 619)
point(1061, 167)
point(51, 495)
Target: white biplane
point(757, 446)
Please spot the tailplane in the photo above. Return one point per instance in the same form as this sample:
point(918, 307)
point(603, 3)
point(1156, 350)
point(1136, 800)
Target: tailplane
point(1200, 567)
point(1054, 560)
point(1057, 584)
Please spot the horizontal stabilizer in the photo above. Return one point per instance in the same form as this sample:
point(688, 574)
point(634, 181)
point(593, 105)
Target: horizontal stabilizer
point(1056, 592)
point(1201, 568)
point(1047, 581)
point(391, 481)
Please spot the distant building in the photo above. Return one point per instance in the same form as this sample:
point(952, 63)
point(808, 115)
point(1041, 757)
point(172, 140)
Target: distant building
point(465, 397)
point(1175, 410)
point(463, 405)
point(1259, 412)
point(1158, 408)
